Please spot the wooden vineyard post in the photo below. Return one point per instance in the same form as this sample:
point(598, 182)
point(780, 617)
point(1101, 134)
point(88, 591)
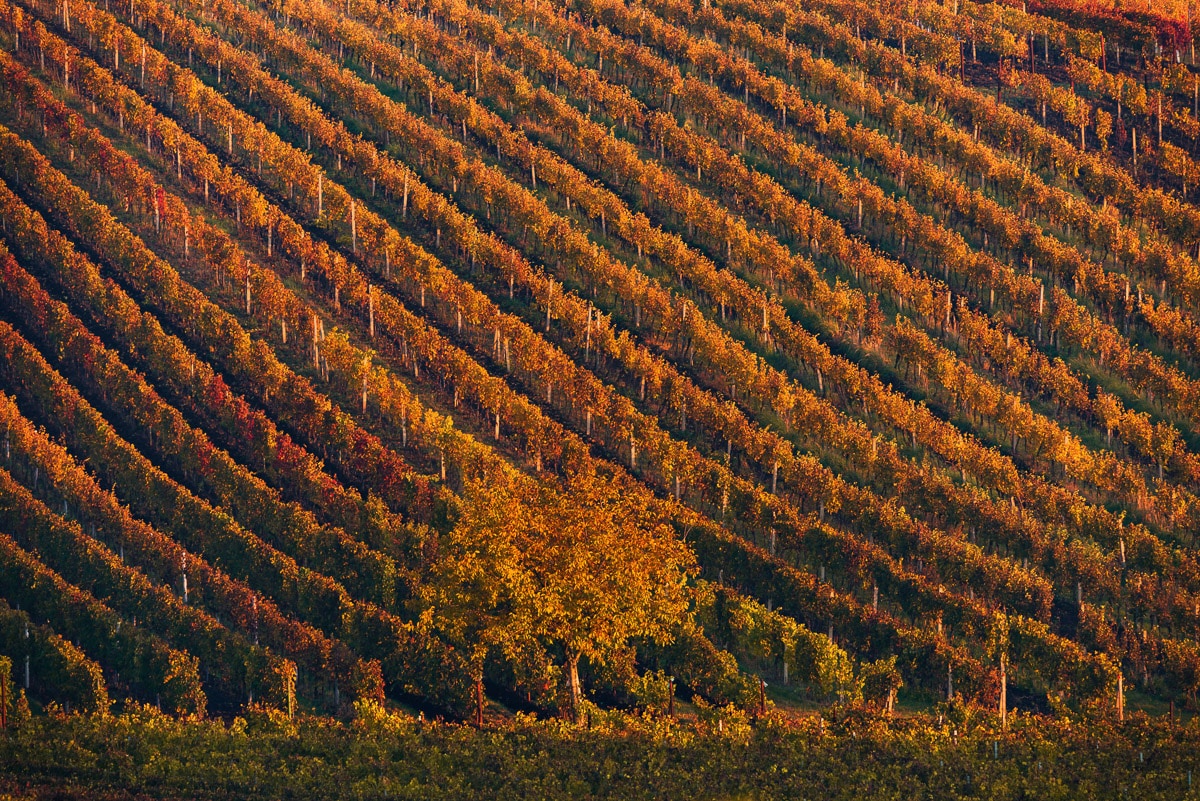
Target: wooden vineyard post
point(5, 689)
point(289, 687)
point(371, 310)
point(479, 702)
point(315, 345)
point(1004, 691)
point(1120, 698)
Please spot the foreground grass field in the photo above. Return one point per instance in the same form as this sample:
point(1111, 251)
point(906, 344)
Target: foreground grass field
point(262, 755)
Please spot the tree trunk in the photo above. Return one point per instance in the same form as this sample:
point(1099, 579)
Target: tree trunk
point(576, 689)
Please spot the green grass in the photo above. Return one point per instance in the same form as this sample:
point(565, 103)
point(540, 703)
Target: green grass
point(954, 754)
